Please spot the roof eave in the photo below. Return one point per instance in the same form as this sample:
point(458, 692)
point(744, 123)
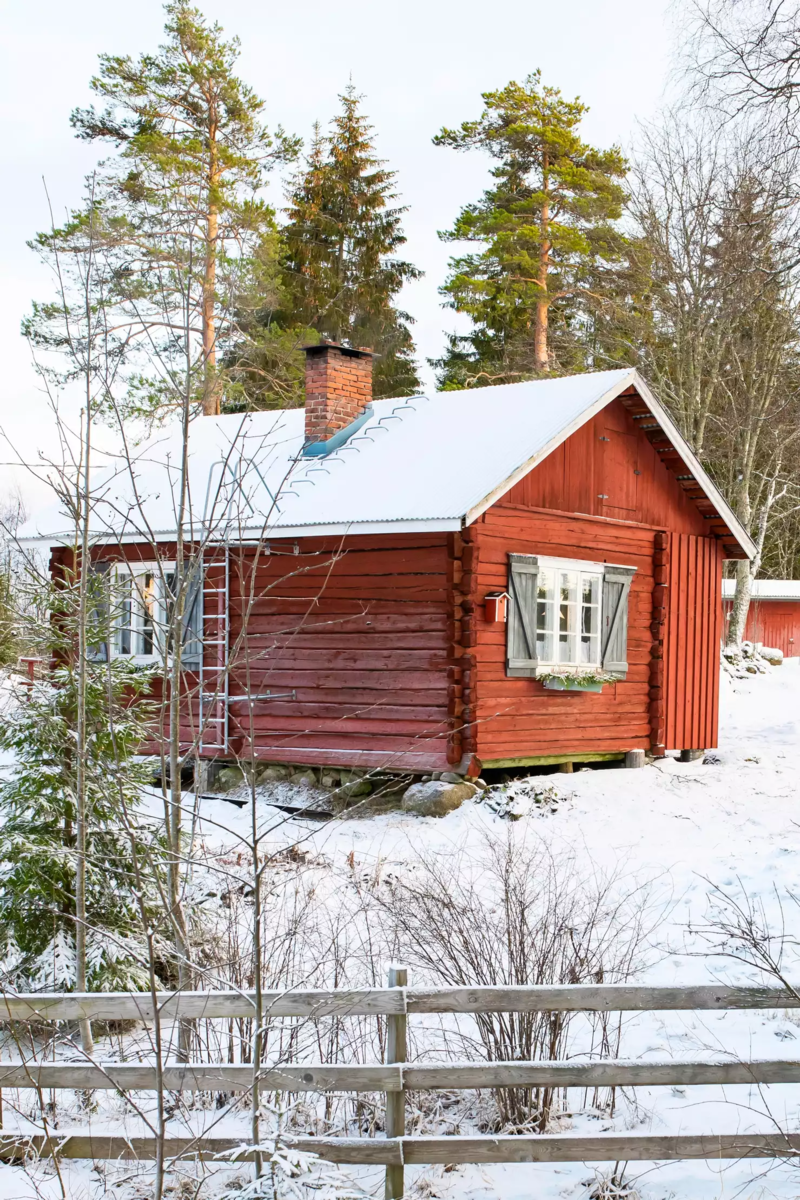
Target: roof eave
point(260, 533)
point(687, 455)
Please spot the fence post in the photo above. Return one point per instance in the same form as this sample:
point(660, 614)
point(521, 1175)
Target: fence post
point(396, 1049)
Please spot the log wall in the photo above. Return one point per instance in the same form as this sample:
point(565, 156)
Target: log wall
point(360, 630)
point(517, 718)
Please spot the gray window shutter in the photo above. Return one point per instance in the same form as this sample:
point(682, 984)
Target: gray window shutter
point(523, 575)
point(614, 645)
point(192, 653)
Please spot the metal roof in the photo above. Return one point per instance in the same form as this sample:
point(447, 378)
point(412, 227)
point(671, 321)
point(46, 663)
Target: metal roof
point(765, 589)
point(429, 462)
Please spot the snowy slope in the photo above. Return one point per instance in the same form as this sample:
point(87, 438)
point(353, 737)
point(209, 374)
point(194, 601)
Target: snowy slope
point(681, 828)
point(734, 823)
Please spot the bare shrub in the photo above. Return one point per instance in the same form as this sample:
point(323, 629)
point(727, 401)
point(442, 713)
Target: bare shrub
point(738, 927)
point(520, 913)
point(612, 1185)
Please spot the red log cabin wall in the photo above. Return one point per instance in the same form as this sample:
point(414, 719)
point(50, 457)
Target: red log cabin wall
point(355, 638)
point(518, 718)
point(359, 632)
point(773, 623)
point(618, 503)
point(62, 560)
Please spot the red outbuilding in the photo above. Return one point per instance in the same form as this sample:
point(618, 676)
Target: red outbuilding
point(511, 575)
point(773, 618)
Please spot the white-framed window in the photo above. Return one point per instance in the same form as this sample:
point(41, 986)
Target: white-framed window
point(567, 615)
point(141, 610)
point(569, 599)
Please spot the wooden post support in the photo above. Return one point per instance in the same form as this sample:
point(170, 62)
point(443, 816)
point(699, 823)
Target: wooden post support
point(565, 768)
point(635, 758)
point(691, 755)
point(396, 1050)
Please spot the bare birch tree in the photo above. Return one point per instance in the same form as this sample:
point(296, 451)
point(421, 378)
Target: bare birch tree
point(717, 233)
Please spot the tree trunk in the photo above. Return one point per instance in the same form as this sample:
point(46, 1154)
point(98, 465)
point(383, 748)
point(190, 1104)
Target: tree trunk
point(746, 571)
point(741, 603)
point(541, 357)
point(81, 733)
point(211, 397)
point(211, 390)
point(175, 873)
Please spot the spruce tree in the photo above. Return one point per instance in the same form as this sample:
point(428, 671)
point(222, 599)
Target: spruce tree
point(548, 244)
point(38, 817)
point(341, 270)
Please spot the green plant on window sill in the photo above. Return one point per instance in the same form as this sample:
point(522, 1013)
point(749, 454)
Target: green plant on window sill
point(576, 681)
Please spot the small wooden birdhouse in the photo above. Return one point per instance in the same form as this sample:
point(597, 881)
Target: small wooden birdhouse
point(495, 608)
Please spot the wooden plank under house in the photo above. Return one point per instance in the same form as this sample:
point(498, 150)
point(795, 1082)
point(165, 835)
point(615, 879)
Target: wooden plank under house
point(514, 575)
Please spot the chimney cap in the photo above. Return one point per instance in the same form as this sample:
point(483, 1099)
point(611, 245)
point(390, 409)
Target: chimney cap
point(351, 351)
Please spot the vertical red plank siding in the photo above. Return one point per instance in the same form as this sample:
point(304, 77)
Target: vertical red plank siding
point(589, 474)
point(774, 623)
point(716, 640)
point(694, 627)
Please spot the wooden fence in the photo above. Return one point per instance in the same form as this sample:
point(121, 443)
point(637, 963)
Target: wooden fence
point(395, 1076)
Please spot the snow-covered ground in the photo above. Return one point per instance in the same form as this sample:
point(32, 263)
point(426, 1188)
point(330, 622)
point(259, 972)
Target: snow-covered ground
point(732, 822)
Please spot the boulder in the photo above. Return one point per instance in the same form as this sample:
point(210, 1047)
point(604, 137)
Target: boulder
point(358, 787)
point(773, 656)
point(437, 797)
point(228, 778)
point(306, 777)
point(274, 773)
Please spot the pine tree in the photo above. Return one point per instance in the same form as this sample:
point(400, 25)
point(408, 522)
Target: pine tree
point(182, 204)
point(548, 243)
point(341, 269)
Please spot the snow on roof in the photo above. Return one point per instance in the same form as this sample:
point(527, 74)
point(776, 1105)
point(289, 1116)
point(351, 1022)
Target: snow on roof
point(766, 589)
point(428, 462)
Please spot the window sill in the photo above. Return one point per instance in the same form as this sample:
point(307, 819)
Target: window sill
point(571, 685)
point(154, 663)
point(138, 660)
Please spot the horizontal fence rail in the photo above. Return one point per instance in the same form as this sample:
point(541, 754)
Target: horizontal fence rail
point(376, 1002)
point(519, 1148)
point(396, 1077)
point(187, 1077)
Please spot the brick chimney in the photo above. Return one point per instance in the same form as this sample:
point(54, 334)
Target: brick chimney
point(338, 388)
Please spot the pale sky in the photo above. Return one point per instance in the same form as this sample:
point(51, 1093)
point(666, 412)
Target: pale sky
point(420, 65)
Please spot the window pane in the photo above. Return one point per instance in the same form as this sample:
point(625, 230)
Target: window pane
point(567, 616)
point(125, 615)
point(168, 609)
point(146, 603)
point(545, 616)
point(590, 619)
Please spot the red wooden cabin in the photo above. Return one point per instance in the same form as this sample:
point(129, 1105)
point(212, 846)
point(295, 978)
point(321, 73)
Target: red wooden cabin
point(428, 584)
point(773, 618)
